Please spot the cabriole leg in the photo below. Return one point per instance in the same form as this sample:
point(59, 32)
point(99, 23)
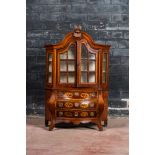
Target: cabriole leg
point(52, 125)
point(99, 124)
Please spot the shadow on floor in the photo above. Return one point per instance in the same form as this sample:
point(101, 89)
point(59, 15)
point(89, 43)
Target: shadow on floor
point(116, 122)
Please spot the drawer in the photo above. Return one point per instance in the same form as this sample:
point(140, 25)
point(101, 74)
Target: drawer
point(76, 94)
point(76, 114)
point(77, 104)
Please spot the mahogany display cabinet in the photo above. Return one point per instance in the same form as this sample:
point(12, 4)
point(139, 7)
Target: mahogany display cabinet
point(76, 81)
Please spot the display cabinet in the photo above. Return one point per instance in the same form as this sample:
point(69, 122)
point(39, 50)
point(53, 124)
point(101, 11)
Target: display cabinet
point(76, 80)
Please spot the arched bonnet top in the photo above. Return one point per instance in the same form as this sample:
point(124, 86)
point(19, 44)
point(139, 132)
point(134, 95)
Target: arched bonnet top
point(76, 35)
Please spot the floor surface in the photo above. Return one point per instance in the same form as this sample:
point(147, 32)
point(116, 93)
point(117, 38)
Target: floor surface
point(77, 140)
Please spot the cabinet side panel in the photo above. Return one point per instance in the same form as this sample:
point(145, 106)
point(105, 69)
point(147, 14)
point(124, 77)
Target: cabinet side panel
point(105, 111)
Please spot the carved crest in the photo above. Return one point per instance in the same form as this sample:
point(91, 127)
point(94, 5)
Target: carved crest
point(77, 31)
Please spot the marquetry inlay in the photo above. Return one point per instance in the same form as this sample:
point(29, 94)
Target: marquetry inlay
point(60, 113)
point(60, 104)
point(76, 104)
point(84, 105)
point(76, 114)
point(91, 105)
point(76, 94)
point(84, 114)
point(92, 114)
point(84, 95)
point(68, 94)
point(68, 105)
point(68, 114)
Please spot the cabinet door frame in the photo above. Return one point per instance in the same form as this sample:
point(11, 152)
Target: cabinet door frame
point(49, 52)
point(79, 58)
point(104, 84)
point(65, 50)
point(98, 64)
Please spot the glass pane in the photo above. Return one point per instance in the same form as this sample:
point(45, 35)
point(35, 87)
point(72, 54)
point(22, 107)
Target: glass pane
point(91, 76)
point(91, 65)
point(71, 66)
point(50, 57)
point(49, 78)
point(63, 77)
point(84, 77)
point(71, 78)
point(83, 65)
point(84, 52)
point(92, 56)
point(105, 58)
point(71, 52)
point(63, 56)
point(50, 67)
point(63, 66)
point(104, 66)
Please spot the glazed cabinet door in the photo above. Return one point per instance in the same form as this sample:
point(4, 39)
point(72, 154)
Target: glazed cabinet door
point(77, 65)
point(104, 68)
point(49, 68)
point(67, 66)
point(87, 65)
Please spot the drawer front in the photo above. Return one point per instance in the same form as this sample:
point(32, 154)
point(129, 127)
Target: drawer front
point(76, 95)
point(76, 104)
point(76, 114)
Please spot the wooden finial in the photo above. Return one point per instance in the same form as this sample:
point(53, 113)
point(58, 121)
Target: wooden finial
point(77, 30)
point(77, 27)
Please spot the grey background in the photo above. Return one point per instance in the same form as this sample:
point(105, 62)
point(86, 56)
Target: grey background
point(48, 21)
